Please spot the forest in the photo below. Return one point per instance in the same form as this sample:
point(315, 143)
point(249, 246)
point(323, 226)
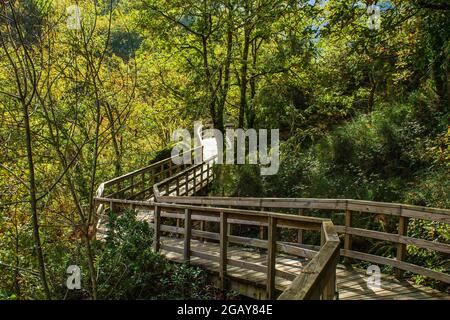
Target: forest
point(91, 90)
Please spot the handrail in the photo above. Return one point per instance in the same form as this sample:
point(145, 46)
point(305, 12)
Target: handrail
point(185, 174)
point(160, 165)
point(401, 239)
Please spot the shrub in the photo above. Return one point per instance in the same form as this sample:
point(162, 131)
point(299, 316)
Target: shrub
point(130, 269)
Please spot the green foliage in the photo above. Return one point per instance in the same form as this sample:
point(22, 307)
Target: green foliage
point(130, 269)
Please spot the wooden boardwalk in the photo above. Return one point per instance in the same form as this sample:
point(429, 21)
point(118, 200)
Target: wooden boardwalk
point(196, 229)
point(351, 284)
point(286, 263)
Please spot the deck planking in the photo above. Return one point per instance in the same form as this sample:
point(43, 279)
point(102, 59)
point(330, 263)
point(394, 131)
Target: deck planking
point(351, 283)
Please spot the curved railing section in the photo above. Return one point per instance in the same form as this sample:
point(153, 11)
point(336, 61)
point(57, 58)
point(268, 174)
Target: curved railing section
point(348, 207)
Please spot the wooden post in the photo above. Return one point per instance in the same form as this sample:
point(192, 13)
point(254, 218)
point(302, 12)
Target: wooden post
point(300, 235)
point(202, 228)
point(348, 237)
point(195, 180)
point(223, 249)
point(132, 187)
point(143, 185)
point(329, 291)
point(111, 207)
point(157, 228)
point(271, 257)
point(202, 173)
point(186, 192)
point(187, 235)
point(178, 186)
point(262, 229)
point(170, 168)
point(401, 248)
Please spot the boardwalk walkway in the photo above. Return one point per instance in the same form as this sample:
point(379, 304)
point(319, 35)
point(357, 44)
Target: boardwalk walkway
point(275, 261)
point(351, 284)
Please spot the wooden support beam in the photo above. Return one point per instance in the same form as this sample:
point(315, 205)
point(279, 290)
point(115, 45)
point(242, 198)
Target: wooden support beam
point(202, 228)
point(300, 235)
point(271, 257)
point(348, 237)
point(401, 248)
point(223, 249)
point(187, 235)
point(202, 173)
point(329, 288)
point(157, 229)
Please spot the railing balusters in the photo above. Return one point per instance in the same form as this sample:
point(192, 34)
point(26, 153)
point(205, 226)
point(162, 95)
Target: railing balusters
point(300, 235)
point(223, 248)
point(348, 237)
point(202, 173)
point(401, 248)
point(157, 228)
point(271, 256)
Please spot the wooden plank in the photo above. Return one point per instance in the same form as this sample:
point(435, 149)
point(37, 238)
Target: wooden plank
point(397, 264)
point(171, 229)
point(295, 251)
point(425, 244)
point(247, 265)
point(248, 241)
point(433, 214)
point(205, 256)
point(271, 256)
point(205, 234)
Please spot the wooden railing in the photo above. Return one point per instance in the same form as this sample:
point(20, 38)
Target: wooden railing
point(348, 208)
point(139, 183)
point(187, 182)
point(316, 280)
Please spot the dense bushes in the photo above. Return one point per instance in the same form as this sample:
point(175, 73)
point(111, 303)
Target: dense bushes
point(130, 269)
point(400, 152)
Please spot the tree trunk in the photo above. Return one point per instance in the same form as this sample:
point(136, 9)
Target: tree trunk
point(33, 202)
